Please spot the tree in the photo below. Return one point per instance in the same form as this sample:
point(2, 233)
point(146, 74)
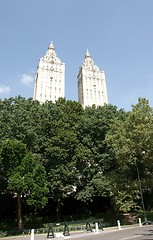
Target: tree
point(58, 148)
point(24, 175)
point(94, 160)
point(131, 140)
point(20, 119)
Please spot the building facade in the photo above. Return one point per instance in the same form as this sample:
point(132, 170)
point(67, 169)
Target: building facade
point(91, 84)
point(50, 77)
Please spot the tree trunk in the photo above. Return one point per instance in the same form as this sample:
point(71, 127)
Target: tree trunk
point(58, 210)
point(20, 223)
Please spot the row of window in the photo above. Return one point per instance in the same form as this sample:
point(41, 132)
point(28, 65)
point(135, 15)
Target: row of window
point(50, 96)
point(52, 80)
point(95, 90)
point(51, 67)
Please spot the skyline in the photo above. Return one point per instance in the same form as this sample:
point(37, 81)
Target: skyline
point(117, 33)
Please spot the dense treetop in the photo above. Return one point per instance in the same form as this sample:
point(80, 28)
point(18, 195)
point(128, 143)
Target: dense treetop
point(61, 150)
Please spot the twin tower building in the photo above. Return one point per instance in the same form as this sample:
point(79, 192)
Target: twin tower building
point(49, 82)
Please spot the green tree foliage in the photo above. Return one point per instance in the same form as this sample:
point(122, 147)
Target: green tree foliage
point(81, 153)
point(59, 146)
point(19, 119)
point(24, 175)
point(94, 160)
point(132, 141)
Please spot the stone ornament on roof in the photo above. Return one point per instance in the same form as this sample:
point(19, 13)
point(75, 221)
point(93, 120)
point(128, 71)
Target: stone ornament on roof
point(51, 46)
point(87, 54)
point(51, 55)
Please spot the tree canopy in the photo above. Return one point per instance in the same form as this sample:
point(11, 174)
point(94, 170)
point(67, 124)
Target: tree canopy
point(131, 140)
point(61, 150)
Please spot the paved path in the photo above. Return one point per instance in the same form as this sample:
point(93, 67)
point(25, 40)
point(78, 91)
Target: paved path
point(128, 233)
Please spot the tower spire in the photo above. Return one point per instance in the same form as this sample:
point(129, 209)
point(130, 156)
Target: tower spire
point(87, 53)
point(51, 46)
point(91, 83)
point(50, 77)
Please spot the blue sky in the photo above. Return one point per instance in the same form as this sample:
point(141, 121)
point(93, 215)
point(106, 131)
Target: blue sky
point(118, 34)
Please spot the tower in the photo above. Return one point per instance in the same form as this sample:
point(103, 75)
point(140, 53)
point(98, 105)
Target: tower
point(50, 77)
point(91, 84)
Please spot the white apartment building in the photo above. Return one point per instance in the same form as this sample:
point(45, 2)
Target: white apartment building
point(91, 84)
point(50, 77)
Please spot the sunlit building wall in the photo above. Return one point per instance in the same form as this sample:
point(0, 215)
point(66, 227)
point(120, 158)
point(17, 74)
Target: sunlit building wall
point(49, 82)
point(91, 84)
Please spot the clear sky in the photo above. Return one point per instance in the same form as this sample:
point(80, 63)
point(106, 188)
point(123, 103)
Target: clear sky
point(118, 34)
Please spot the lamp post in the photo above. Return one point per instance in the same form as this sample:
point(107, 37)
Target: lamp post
point(141, 194)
